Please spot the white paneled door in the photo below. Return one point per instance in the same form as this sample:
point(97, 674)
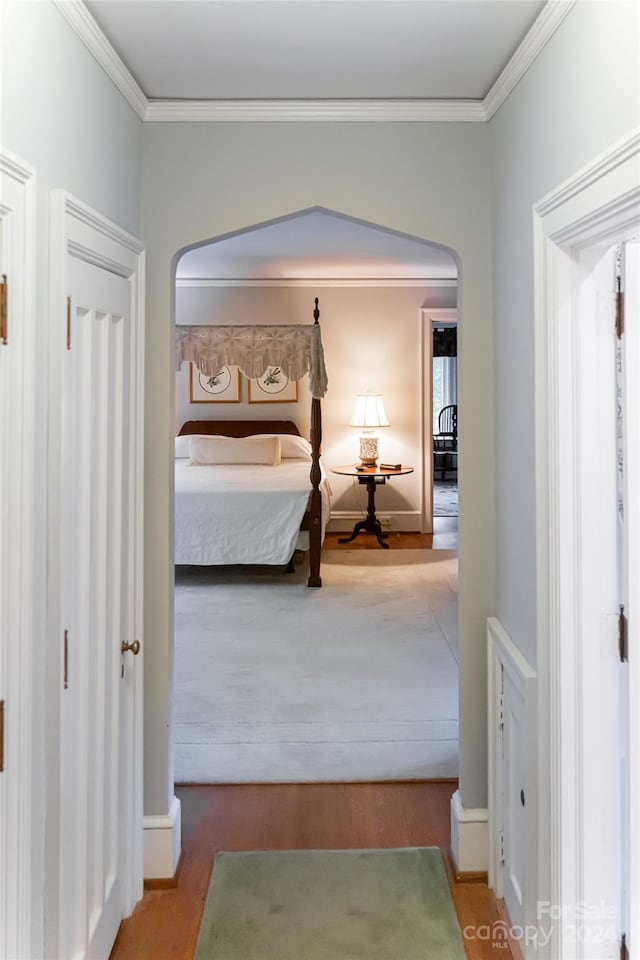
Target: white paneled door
point(98, 543)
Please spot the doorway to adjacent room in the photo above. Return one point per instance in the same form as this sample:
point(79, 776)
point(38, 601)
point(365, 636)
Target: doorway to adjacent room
point(440, 347)
point(269, 686)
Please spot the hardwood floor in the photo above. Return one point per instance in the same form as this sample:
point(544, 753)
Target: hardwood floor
point(444, 537)
point(164, 925)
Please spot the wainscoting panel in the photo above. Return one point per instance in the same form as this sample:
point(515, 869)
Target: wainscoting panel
point(512, 776)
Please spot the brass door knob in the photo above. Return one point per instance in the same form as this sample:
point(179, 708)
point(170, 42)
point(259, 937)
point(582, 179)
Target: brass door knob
point(133, 647)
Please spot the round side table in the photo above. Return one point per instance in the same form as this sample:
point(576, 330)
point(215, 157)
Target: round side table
point(371, 477)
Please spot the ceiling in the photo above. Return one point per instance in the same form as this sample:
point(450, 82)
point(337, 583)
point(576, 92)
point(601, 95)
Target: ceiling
point(315, 49)
point(317, 246)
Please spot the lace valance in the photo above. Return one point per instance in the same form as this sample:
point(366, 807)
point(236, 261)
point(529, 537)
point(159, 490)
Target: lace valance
point(296, 349)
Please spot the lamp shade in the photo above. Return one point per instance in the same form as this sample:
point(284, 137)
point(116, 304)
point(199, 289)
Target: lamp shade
point(369, 412)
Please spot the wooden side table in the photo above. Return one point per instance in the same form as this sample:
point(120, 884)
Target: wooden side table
point(371, 477)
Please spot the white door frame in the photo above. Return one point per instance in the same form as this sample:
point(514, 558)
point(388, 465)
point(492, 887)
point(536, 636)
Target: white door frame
point(22, 858)
point(429, 317)
point(73, 226)
point(632, 508)
point(599, 206)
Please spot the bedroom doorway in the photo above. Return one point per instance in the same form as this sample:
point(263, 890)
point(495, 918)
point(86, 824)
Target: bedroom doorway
point(322, 699)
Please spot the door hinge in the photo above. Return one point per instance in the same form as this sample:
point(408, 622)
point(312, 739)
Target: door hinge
point(501, 846)
point(624, 949)
point(4, 310)
point(623, 635)
point(1, 735)
point(68, 323)
point(501, 710)
point(65, 678)
point(619, 308)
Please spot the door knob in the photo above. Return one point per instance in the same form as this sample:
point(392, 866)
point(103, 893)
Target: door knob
point(133, 647)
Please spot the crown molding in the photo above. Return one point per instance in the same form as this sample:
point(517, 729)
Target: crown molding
point(77, 15)
point(404, 111)
point(233, 111)
point(540, 32)
point(310, 282)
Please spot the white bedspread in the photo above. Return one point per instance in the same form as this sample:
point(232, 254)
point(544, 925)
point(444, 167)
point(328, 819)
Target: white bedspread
point(238, 513)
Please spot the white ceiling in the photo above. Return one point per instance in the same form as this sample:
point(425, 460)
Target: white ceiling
point(299, 49)
point(317, 246)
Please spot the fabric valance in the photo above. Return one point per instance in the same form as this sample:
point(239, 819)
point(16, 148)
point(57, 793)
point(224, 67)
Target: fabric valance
point(295, 348)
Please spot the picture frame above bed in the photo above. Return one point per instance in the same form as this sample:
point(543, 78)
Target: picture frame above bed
point(224, 387)
point(273, 386)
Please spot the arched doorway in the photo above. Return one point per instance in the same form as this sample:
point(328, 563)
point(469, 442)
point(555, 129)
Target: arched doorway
point(373, 285)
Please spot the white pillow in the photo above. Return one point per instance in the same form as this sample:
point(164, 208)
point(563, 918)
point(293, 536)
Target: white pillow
point(219, 450)
point(291, 447)
point(183, 447)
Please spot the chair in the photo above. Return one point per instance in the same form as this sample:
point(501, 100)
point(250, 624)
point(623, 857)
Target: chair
point(445, 441)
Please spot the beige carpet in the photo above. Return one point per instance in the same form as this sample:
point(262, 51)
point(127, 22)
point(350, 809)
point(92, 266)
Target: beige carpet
point(330, 905)
point(356, 681)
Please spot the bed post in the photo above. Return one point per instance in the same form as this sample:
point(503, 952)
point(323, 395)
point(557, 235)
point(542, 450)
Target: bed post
point(315, 506)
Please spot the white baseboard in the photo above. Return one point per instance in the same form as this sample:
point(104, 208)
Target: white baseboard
point(405, 521)
point(162, 843)
point(469, 837)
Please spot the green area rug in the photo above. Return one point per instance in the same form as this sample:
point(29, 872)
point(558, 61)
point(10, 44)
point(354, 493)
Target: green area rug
point(330, 905)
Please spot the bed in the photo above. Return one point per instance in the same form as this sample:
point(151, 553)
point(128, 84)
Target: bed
point(297, 350)
point(244, 513)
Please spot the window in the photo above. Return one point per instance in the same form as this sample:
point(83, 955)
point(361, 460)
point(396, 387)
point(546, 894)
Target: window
point(444, 385)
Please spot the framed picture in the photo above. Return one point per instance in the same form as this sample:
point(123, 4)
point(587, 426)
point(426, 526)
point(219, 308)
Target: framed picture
point(273, 387)
point(224, 387)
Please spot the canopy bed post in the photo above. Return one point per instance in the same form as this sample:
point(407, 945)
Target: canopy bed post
point(315, 500)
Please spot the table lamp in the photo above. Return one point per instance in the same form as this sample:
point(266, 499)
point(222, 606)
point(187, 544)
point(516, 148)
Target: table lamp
point(369, 414)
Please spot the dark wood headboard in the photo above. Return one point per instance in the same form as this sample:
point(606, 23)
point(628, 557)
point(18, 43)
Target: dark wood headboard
point(238, 428)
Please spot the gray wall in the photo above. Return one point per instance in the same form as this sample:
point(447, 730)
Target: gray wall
point(61, 112)
point(579, 96)
point(432, 181)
